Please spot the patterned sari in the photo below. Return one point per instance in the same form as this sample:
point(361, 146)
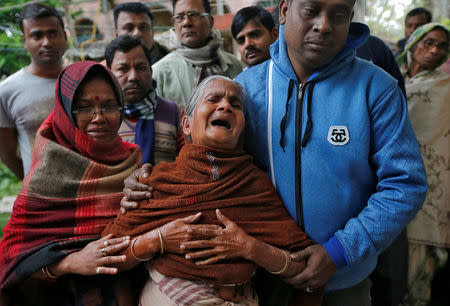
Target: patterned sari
point(428, 95)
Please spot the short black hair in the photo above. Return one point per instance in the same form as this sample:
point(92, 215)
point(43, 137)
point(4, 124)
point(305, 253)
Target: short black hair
point(124, 43)
point(206, 5)
point(131, 7)
point(420, 11)
point(37, 10)
point(244, 15)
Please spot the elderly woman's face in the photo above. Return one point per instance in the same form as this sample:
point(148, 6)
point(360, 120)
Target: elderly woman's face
point(218, 119)
point(431, 50)
point(97, 110)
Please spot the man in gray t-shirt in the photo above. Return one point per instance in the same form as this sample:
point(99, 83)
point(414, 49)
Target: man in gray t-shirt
point(27, 96)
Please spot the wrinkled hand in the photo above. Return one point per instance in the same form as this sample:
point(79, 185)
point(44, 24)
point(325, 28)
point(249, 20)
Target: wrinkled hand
point(135, 191)
point(90, 258)
point(182, 230)
point(231, 242)
point(319, 268)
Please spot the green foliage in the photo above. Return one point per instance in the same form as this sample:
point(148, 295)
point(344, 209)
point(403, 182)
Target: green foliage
point(384, 20)
point(4, 217)
point(9, 184)
point(13, 56)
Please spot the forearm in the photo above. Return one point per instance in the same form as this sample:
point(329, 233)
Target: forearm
point(140, 249)
point(13, 162)
point(273, 259)
point(8, 151)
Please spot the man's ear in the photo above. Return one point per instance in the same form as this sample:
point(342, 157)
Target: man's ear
point(283, 8)
point(186, 123)
point(274, 34)
point(211, 21)
point(115, 33)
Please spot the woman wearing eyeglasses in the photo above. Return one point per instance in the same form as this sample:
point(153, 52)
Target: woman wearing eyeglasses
point(428, 94)
point(50, 253)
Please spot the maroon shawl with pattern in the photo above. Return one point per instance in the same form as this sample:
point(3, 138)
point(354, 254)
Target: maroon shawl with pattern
point(71, 192)
point(202, 180)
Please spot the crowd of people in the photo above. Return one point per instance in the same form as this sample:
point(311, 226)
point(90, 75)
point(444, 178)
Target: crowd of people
point(303, 174)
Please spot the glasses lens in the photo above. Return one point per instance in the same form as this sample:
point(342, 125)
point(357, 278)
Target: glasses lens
point(86, 114)
point(194, 15)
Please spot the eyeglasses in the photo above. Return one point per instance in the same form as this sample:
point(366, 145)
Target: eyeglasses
point(193, 15)
point(88, 113)
point(430, 43)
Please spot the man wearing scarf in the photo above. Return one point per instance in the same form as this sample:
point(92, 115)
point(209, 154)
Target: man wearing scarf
point(196, 52)
point(150, 121)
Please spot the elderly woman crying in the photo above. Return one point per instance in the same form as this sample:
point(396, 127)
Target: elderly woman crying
point(212, 176)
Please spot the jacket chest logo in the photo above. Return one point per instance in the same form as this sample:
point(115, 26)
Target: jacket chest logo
point(338, 135)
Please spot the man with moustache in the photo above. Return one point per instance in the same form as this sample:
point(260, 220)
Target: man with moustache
point(27, 96)
point(332, 132)
point(150, 121)
point(134, 18)
point(196, 52)
point(254, 30)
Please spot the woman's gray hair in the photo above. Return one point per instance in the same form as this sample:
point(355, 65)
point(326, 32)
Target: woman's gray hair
point(199, 90)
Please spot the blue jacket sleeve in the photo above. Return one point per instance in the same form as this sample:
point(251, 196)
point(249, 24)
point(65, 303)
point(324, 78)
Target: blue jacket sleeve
point(401, 180)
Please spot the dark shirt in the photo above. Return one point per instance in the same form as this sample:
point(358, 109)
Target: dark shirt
point(376, 51)
point(157, 52)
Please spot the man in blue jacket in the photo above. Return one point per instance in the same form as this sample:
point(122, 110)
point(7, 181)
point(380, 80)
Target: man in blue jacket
point(332, 132)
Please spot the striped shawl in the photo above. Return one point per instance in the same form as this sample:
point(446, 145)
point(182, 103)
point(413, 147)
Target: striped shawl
point(71, 192)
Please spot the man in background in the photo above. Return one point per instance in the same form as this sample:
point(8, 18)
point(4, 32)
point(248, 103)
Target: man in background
point(254, 30)
point(27, 97)
point(134, 18)
point(414, 19)
point(196, 54)
point(150, 121)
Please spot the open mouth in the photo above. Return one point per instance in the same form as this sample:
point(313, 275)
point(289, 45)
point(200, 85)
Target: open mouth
point(221, 123)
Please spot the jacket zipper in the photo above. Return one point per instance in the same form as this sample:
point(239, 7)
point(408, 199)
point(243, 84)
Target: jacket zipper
point(298, 155)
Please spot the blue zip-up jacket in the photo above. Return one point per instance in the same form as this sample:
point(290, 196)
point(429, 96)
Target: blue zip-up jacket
point(345, 159)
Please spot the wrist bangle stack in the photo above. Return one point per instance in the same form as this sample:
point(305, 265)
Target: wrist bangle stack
point(132, 250)
point(47, 273)
point(161, 241)
point(287, 262)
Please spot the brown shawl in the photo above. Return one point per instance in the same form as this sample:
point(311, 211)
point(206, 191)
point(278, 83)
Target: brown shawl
point(201, 180)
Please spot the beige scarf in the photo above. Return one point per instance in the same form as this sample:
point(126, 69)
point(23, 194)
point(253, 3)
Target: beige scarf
point(204, 59)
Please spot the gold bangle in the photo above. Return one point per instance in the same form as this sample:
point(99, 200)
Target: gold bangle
point(132, 250)
point(47, 272)
point(161, 241)
point(287, 262)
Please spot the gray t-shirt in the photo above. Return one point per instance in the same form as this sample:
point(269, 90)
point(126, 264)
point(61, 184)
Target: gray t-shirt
point(25, 102)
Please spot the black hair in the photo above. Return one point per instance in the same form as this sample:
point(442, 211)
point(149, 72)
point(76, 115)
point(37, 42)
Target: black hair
point(131, 7)
point(206, 5)
point(243, 16)
point(419, 11)
point(37, 10)
point(124, 43)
